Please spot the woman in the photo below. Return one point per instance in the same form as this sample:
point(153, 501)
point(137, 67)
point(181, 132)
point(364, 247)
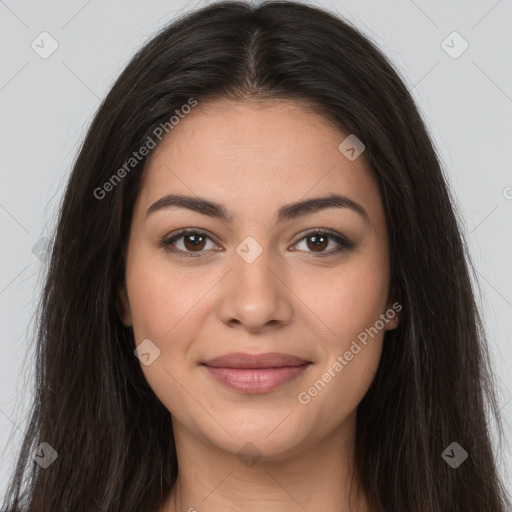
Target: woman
point(259, 296)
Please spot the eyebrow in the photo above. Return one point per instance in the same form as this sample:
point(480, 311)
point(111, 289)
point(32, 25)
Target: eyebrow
point(286, 212)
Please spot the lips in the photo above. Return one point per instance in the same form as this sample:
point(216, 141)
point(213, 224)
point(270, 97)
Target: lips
point(255, 373)
point(243, 360)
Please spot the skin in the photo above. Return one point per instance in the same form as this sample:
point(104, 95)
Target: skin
point(254, 158)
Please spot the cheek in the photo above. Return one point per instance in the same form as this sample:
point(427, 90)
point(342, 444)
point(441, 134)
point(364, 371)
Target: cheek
point(334, 393)
point(347, 304)
point(161, 299)
point(162, 309)
point(347, 300)
point(351, 355)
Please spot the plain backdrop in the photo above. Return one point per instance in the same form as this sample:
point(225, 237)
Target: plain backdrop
point(461, 82)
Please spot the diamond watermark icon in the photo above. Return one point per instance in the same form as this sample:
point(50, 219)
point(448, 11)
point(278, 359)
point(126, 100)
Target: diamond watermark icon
point(351, 147)
point(40, 250)
point(147, 352)
point(44, 45)
point(249, 454)
point(249, 250)
point(44, 455)
point(454, 455)
point(454, 45)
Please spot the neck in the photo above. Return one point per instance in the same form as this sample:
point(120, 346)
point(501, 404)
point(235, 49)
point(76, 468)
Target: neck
point(314, 477)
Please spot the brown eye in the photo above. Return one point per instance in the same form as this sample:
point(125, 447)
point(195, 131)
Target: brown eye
point(317, 242)
point(191, 242)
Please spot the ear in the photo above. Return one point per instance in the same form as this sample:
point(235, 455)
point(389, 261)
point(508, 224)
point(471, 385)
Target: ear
point(393, 307)
point(392, 313)
point(124, 307)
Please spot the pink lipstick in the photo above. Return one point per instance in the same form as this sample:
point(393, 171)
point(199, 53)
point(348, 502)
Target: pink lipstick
point(255, 373)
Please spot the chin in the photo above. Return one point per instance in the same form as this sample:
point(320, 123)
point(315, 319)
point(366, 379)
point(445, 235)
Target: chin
point(269, 440)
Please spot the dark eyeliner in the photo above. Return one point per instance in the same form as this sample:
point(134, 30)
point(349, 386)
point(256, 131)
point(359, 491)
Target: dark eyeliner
point(344, 244)
point(166, 243)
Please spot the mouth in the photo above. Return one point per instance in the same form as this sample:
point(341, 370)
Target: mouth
point(255, 373)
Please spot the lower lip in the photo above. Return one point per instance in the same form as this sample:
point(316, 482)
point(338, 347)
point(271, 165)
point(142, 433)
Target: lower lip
point(255, 380)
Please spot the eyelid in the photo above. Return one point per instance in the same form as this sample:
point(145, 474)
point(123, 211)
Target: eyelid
point(344, 243)
point(325, 231)
point(167, 242)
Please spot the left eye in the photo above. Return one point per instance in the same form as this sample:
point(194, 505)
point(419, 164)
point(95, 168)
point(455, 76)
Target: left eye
point(319, 241)
point(195, 241)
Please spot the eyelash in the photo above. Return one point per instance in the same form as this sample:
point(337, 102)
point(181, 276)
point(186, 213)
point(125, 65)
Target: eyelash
point(344, 243)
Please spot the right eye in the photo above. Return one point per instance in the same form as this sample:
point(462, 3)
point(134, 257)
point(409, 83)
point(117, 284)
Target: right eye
point(194, 241)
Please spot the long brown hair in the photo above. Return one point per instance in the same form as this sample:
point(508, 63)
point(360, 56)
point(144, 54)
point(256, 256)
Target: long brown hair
point(434, 385)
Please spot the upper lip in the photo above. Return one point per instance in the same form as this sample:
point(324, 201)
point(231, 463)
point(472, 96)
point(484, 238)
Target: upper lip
point(244, 360)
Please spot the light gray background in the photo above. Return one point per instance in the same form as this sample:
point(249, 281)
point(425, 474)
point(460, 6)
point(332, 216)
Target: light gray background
point(47, 104)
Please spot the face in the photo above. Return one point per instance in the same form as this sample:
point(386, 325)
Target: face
point(309, 282)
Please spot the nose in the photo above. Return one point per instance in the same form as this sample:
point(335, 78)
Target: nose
point(256, 295)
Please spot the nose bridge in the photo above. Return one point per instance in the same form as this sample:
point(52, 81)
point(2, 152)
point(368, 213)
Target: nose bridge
point(252, 265)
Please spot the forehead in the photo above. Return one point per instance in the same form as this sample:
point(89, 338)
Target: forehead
point(255, 153)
